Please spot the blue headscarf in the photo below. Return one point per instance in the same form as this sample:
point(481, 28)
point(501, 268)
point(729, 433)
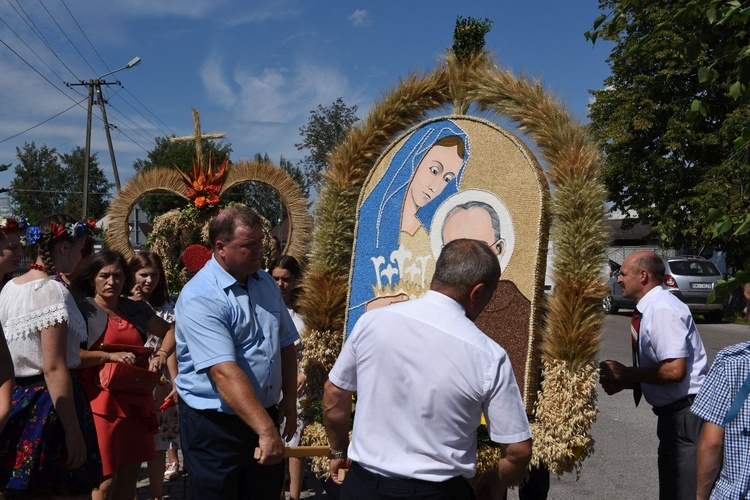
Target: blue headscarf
point(383, 209)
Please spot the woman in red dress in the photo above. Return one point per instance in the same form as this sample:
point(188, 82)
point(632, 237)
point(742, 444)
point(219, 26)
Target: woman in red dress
point(125, 421)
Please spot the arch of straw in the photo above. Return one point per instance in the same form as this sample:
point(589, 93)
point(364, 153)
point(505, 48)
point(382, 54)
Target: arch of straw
point(170, 226)
point(566, 407)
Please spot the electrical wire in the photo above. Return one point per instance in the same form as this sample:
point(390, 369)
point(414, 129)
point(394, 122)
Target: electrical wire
point(30, 23)
point(38, 73)
point(84, 36)
point(66, 36)
point(42, 123)
point(31, 49)
point(172, 132)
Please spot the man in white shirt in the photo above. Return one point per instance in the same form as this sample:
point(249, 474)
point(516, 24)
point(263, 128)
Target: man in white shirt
point(424, 375)
point(669, 368)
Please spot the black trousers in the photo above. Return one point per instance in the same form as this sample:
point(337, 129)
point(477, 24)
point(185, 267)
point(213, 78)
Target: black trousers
point(678, 434)
point(361, 484)
point(218, 451)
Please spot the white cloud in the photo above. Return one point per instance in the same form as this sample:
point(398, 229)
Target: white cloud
point(263, 97)
point(213, 79)
point(360, 17)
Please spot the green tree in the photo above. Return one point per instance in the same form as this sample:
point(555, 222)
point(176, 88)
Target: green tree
point(167, 154)
point(720, 38)
point(662, 153)
point(326, 127)
point(265, 199)
point(42, 186)
point(99, 188)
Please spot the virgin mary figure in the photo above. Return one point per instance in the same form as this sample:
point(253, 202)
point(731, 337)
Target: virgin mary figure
point(392, 259)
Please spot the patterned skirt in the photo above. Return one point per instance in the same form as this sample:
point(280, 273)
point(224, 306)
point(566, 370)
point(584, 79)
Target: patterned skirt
point(33, 450)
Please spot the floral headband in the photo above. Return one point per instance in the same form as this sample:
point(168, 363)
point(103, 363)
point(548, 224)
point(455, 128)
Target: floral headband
point(71, 230)
point(12, 224)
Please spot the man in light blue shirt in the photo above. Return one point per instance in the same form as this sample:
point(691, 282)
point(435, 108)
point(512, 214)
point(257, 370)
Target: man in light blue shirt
point(236, 357)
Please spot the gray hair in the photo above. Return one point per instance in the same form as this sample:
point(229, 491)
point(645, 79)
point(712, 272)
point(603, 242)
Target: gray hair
point(487, 207)
point(651, 263)
point(464, 263)
point(223, 226)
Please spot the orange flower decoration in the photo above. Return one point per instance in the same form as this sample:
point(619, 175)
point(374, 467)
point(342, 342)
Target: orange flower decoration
point(204, 186)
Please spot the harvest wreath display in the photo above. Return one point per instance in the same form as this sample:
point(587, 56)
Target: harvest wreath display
point(368, 248)
point(202, 189)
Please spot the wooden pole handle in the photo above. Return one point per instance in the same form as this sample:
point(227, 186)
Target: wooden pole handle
point(298, 451)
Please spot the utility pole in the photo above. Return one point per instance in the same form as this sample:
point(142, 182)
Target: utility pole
point(95, 89)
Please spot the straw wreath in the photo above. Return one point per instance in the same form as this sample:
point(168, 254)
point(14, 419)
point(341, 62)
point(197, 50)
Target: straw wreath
point(565, 409)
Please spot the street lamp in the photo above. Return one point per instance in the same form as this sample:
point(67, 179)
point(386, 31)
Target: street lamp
point(96, 86)
point(133, 62)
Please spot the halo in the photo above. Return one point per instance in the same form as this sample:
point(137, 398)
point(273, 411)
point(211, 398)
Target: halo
point(506, 222)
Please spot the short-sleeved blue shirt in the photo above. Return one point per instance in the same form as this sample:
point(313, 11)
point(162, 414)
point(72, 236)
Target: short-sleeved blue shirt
point(214, 324)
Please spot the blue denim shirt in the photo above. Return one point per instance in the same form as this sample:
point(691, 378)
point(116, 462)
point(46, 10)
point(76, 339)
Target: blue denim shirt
point(217, 320)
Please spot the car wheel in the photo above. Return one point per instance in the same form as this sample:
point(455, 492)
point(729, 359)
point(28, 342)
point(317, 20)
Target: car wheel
point(714, 317)
point(608, 304)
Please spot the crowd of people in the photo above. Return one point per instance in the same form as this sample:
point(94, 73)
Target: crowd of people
point(101, 370)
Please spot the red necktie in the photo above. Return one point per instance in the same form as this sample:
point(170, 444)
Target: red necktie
point(635, 325)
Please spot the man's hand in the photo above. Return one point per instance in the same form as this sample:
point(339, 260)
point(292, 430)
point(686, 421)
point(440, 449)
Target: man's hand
point(271, 449)
point(612, 375)
point(336, 465)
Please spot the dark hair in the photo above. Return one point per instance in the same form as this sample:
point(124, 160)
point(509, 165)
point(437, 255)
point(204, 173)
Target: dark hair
point(82, 281)
point(223, 226)
point(292, 265)
point(464, 263)
point(44, 246)
point(150, 259)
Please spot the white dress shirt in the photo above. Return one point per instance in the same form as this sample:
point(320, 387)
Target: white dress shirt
point(668, 331)
point(424, 374)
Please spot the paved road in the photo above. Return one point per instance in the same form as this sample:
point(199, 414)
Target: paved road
point(623, 465)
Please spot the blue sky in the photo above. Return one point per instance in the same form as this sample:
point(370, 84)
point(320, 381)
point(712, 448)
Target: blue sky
point(255, 69)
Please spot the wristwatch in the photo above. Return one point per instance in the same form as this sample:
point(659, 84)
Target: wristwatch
point(335, 455)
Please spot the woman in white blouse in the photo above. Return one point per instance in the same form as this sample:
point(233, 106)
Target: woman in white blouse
point(48, 446)
point(11, 253)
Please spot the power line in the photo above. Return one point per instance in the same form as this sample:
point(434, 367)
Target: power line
point(152, 114)
point(31, 49)
point(138, 129)
point(38, 73)
point(45, 121)
point(66, 36)
point(131, 139)
point(30, 23)
point(84, 36)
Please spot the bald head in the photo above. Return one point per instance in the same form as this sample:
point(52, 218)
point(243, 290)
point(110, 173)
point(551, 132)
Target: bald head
point(640, 272)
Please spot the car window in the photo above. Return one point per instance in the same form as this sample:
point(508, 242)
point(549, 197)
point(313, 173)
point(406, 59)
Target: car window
point(693, 268)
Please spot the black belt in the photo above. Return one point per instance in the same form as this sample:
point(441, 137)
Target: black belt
point(31, 380)
point(218, 416)
point(375, 480)
point(678, 405)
